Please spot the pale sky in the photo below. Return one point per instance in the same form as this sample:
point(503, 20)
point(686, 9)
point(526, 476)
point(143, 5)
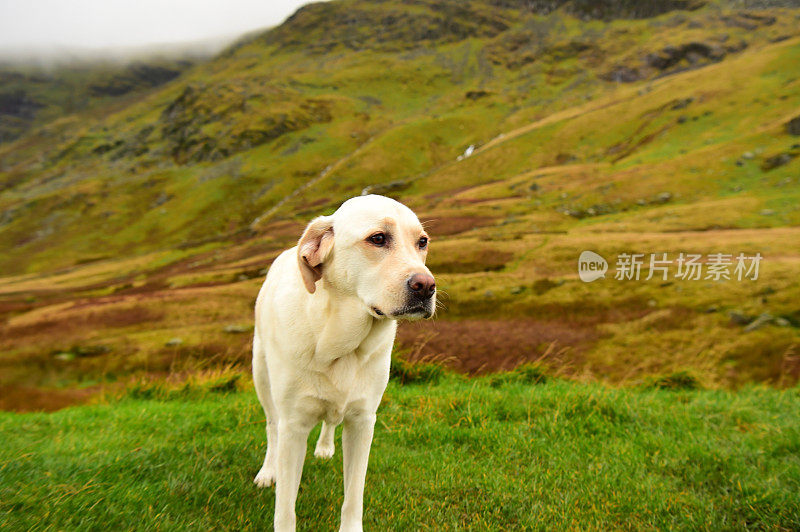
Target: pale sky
point(49, 25)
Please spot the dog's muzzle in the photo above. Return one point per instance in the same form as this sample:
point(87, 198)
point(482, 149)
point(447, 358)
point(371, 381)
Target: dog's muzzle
point(421, 289)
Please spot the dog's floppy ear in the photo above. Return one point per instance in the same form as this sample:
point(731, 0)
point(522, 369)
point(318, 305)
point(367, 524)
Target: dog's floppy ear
point(312, 250)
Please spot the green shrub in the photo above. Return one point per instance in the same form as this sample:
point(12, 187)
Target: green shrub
point(196, 387)
point(407, 372)
point(224, 384)
point(145, 390)
point(679, 380)
point(528, 373)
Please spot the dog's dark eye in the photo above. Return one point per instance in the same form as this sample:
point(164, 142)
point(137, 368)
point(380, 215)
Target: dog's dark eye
point(423, 242)
point(379, 239)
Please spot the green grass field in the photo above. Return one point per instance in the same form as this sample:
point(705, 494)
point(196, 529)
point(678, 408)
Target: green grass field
point(489, 453)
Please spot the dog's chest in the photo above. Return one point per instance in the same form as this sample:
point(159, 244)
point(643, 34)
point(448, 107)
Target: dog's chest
point(347, 377)
point(348, 368)
point(351, 378)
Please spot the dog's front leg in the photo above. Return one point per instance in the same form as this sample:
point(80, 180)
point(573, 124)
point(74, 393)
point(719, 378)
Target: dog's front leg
point(292, 439)
point(356, 441)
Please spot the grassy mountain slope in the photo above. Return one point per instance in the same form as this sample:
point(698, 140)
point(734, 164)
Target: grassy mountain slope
point(270, 114)
point(612, 130)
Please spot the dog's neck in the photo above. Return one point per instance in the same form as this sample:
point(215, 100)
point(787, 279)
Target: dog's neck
point(348, 326)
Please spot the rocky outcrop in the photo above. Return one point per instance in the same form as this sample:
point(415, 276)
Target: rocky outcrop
point(17, 110)
point(673, 59)
point(693, 53)
point(136, 77)
point(323, 26)
point(18, 103)
point(775, 161)
point(212, 123)
point(793, 126)
point(624, 74)
point(602, 9)
point(628, 9)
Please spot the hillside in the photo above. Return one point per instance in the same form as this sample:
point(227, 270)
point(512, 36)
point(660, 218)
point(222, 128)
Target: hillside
point(135, 238)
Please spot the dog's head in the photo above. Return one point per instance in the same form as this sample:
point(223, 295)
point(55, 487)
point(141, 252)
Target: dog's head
point(374, 248)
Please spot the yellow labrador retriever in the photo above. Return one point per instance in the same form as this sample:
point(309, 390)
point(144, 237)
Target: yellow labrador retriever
point(325, 324)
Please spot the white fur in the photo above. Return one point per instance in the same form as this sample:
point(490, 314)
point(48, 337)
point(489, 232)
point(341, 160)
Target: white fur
point(325, 325)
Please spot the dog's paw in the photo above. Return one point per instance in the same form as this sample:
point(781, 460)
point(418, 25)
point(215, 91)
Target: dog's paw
point(354, 527)
point(265, 478)
point(324, 451)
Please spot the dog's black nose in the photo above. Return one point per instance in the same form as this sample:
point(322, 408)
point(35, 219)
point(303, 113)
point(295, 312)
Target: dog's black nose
point(422, 285)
